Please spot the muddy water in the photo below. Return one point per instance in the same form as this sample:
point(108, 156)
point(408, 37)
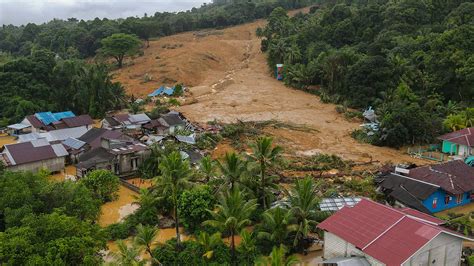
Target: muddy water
point(141, 183)
point(111, 211)
point(5, 139)
point(70, 170)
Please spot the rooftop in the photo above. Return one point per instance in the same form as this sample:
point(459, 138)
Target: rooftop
point(389, 235)
point(463, 137)
point(33, 151)
point(455, 177)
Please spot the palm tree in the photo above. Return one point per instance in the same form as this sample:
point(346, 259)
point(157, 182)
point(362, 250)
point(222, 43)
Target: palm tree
point(455, 122)
point(265, 155)
point(304, 207)
point(127, 256)
point(232, 169)
point(175, 175)
point(276, 225)
point(247, 247)
point(277, 258)
point(232, 214)
point(292, 54)
point(146, 238)
point(209, 242)
point(207, 168)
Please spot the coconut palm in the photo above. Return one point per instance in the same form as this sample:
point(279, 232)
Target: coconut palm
point(277, 258)
point(247, 247)
point(207, 167)
point(276, 225)
point(127, 255)
point(265, 155)
point(146, 238)
point(232, 169)
point(209, 242)
point(232, 214)
point(304, 207)
point(455, 122)
point(175, 175)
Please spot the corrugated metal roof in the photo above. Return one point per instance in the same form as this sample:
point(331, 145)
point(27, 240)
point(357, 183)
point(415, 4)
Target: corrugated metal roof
point(139, 118)
point(48, 117)
point(186, 139)
point(387, 234)
point(456, 177)
point(335, 204)
point(55, 135)
point(74, 143)
point(464, 137)
point(18, 126)
point(59, 150)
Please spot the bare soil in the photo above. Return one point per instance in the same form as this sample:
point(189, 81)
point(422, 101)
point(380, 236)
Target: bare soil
point(230, 80)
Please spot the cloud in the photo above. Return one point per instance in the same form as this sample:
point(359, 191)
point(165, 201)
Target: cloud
point(38, 11)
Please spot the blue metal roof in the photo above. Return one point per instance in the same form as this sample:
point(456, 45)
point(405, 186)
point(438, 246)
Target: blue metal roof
point(61, 115)
point(169, 91)
point(48, 117)
point(157, 92)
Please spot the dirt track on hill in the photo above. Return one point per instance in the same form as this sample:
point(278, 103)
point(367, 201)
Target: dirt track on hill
point(229, 80)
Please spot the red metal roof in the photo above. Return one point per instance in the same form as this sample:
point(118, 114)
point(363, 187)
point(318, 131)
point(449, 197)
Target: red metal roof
point(463, 137)
point(389, 235)
point(421, 215)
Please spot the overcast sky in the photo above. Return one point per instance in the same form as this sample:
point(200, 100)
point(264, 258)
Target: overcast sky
point(19, 12)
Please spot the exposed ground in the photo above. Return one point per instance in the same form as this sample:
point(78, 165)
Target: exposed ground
point(229, 80)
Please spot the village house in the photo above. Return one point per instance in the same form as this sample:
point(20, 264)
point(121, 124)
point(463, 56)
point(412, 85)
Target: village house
point(33, 156)
point(55, 136)
point(48, 121)
point(125, 121)
point(121, 157)
point(382, 235)
point(173, 121)
point(459, 143)
point(431, 188)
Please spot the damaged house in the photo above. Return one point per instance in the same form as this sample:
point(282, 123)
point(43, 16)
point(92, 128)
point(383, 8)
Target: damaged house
point(120, 156)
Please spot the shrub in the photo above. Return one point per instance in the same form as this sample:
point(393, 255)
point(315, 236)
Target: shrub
point(104, 184)
point(193, 206)
point(173, 102)
point(118, 231)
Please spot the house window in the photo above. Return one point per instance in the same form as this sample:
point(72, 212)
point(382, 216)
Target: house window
point(459, 198)
point(134, 163)
point(117, 168)
point(447, 199)
point(435, 203)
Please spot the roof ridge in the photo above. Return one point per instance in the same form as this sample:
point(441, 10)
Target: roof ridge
point(384, 232)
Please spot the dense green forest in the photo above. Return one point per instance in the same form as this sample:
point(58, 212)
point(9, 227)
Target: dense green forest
point(412, 60)
point(82, 39)
point(41, 81)
point(42, 67)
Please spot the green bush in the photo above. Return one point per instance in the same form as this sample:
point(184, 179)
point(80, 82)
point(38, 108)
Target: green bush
point(104, 184)
point(118, 231)
point(193, 207)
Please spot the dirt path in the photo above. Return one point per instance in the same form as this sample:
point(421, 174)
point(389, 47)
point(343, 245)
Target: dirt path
point(229, 80)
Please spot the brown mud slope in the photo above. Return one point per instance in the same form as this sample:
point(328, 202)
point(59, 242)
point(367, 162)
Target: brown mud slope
point(229, 80)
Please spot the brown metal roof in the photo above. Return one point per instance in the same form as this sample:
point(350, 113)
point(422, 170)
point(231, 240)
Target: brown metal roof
point(455, 177)
point(78, 121)
point(463, 137)
point(25, 152)
point(94, 136)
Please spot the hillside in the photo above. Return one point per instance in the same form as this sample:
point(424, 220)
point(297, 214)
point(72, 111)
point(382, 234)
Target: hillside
point(229, 80)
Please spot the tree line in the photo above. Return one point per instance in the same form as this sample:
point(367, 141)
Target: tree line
point(43, 82)
point(411, 60)
point(81, 39)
